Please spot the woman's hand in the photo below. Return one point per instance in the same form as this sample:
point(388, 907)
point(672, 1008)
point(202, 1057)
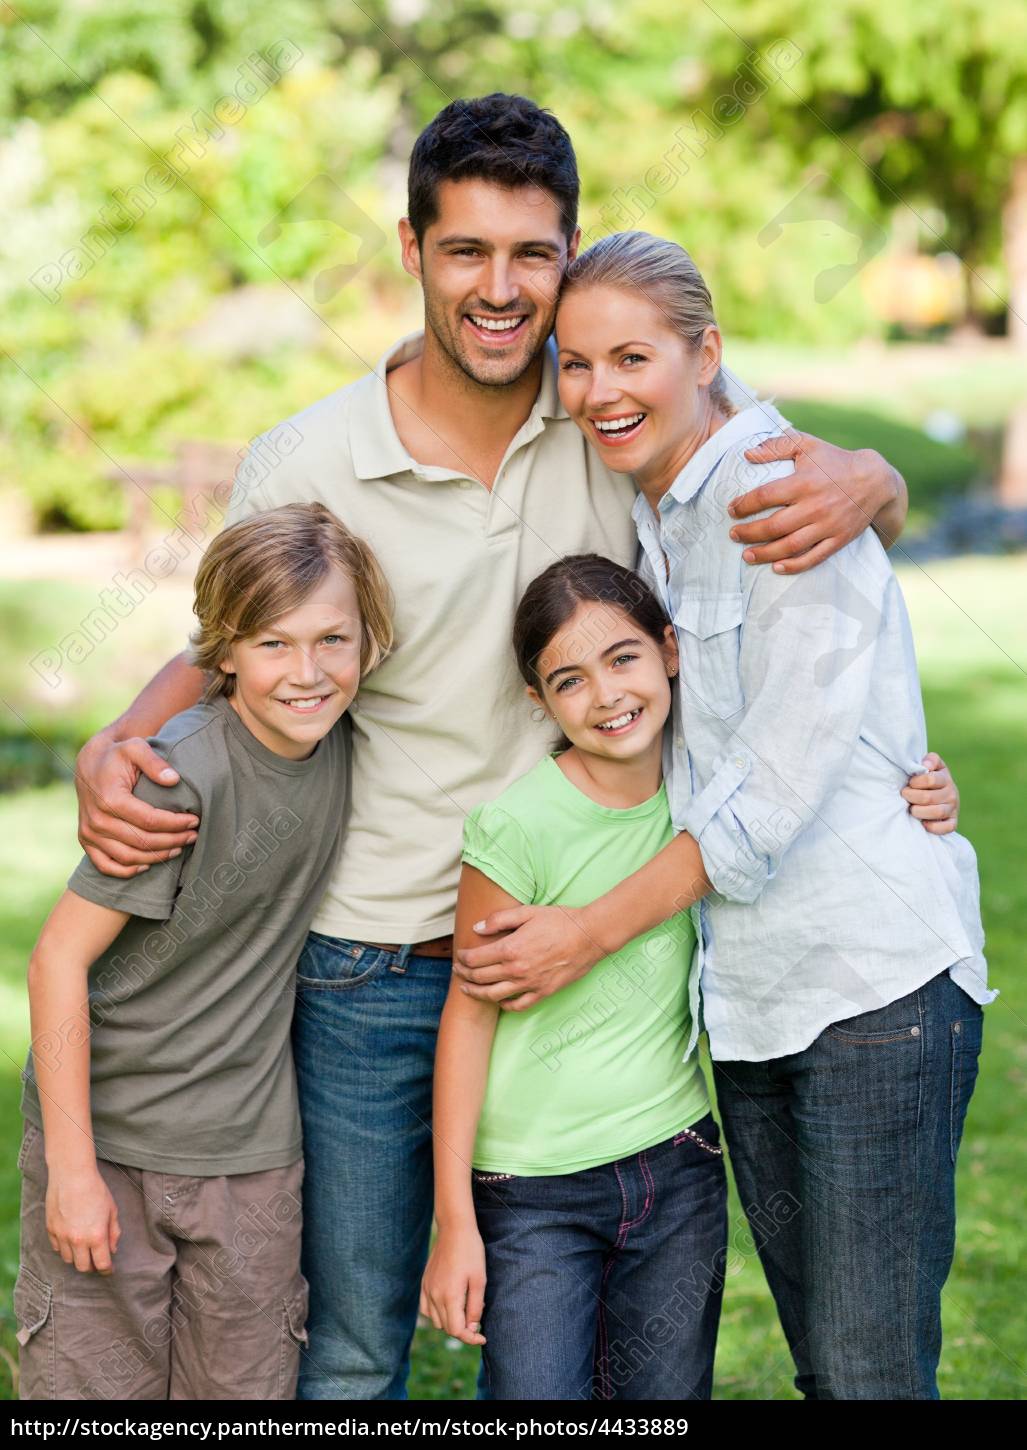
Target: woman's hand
point(543, 949)
point(453, 1287)
point(82, 1219)
point(933, 797)
point(833, 495)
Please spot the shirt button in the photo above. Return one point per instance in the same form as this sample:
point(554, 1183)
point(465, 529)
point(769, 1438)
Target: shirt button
point(740, 761)
point(466, 483)
point(957, 1027)
point(679, 741)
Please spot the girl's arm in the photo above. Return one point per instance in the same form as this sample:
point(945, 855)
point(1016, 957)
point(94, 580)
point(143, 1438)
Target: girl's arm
point(453, 1289)
point(81, 1217)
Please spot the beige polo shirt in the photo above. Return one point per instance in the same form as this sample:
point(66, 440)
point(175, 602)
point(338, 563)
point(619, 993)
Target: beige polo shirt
point(444, 723)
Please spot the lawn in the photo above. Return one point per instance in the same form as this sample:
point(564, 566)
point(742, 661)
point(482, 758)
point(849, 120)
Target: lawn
point(968, 618)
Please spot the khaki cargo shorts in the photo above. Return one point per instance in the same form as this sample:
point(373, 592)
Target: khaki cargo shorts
point(206, 1301)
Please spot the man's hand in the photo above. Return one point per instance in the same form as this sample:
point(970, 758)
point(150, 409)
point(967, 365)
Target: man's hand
point(933, 797)
point(121, 834)
point(832, 496)
point(546, 948)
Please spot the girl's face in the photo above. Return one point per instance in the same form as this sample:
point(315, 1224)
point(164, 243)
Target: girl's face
point(606, 682)
point(296, 677)
point(636, 389)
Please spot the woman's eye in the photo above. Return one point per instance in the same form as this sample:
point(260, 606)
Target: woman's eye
point(571, 364)
point(634, 357)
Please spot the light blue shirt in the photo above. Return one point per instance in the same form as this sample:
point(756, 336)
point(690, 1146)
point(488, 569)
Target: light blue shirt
point(797, 721)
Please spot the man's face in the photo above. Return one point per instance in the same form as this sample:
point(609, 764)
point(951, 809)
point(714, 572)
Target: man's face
point(491, 267)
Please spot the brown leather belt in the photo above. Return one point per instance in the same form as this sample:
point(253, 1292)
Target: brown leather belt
point(441, 946)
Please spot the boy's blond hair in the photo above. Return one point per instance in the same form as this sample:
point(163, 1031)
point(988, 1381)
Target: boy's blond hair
point(257, 570)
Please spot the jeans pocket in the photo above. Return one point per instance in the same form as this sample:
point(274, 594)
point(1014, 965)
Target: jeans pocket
point(705, 1135)
point(332, 964)
point(897, 1021)
point(29, 1136)
point(966, 1035)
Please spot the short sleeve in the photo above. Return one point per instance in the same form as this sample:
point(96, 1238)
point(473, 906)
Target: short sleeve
point(498, 846)
point(152, 893)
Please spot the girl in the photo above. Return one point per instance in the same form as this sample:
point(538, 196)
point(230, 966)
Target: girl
point(596, 1208)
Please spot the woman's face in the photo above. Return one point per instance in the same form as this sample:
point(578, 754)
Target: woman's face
point(606, 683)
point(636, 389)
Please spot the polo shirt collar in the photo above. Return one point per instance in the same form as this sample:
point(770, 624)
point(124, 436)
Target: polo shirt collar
point(374, 443)
point(759, 418)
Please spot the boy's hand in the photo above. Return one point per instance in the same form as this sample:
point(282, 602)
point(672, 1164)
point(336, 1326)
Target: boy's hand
point(453, 1287)
point(121, 834)
point(933, 797)
point(82, 1220)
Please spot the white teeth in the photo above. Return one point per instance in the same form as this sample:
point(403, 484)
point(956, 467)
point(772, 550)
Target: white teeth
point(309, 704)
point(491, 324)
point(620, 721)
point(617, 425)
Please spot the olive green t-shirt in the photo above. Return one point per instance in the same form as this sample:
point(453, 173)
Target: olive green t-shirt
point(190, 1007)
point(605, 1067)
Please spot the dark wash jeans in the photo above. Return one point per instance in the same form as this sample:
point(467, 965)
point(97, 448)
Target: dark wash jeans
point(364, 1034)
point(606, 1283)
point(861, 1130)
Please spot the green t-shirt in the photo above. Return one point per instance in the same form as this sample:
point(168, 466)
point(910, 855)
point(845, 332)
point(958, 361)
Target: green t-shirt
point(605, 1067)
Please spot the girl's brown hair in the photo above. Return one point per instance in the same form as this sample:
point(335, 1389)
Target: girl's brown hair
point(257, 570)
point(665, 275)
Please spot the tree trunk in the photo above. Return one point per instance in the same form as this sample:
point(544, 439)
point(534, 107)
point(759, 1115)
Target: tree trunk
point(1014, 246)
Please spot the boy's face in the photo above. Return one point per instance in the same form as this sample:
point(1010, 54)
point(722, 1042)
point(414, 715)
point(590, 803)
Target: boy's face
point(296, 677)
point(495, 255)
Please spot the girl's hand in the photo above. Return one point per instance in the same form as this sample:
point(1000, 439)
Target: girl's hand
point(82, 1219)
point(453, 1287)
point(933, 797)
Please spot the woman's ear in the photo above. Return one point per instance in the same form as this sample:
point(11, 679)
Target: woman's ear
point(671, 657)
point(711, 351)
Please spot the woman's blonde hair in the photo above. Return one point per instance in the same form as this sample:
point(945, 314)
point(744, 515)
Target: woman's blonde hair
point(257, 570)
point(665, 275)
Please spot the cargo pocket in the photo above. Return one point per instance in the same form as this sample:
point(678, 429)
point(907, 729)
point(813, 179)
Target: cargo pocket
point(33, 1313)
point(294, 1336)
point(709, 634)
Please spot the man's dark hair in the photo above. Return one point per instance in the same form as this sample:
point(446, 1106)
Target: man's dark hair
point(504, 139)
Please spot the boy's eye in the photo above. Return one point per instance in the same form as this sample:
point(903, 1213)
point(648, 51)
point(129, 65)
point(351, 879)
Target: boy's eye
point(270, 643)
point(335, 639)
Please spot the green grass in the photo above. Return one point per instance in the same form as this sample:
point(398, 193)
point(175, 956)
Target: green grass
point(968, 618)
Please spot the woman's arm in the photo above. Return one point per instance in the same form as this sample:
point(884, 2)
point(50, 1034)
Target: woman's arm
point(81, 1218)
point(453, 1290)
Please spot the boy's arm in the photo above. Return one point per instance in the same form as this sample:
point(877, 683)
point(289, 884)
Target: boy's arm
point(452, 1294)
point(81, 1218)
point(120, 833)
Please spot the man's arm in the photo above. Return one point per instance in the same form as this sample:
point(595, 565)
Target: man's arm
point(121, 834)
point(832, 496)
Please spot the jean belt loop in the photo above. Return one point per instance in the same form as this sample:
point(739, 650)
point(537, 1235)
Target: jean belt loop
point(400, 964)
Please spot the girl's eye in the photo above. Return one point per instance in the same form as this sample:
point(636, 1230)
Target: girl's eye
point(622, 658)
point(568, 681)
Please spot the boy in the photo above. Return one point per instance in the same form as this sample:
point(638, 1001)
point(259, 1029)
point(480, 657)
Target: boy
point(162, 1158)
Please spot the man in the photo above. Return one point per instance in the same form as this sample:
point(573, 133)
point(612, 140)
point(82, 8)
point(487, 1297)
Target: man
point(457, 463)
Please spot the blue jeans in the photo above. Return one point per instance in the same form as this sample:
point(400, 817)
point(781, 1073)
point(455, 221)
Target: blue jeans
point(364, 1035)
point(607, 1283)
point(845, 1155)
